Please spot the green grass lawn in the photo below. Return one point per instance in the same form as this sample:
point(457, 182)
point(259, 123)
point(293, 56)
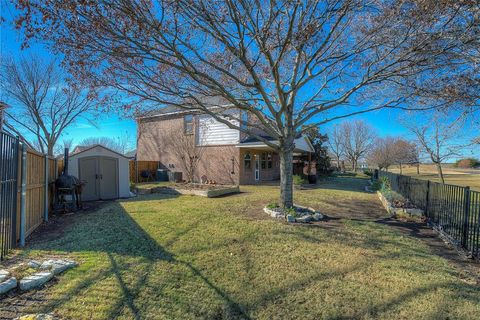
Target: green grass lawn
point(189, 257)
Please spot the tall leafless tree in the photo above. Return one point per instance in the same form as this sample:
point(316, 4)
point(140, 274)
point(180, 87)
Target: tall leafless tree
point(438, 139)
point(335, 143)
point(287, 63)
point(42, 103)
point(358, 139)
point(381, 154)
point(187, 149)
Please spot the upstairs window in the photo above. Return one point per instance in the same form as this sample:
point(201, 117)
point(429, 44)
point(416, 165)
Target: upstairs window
point(188, 124)
point(247, 160)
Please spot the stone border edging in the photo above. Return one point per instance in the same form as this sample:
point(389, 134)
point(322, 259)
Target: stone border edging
point(415, 212)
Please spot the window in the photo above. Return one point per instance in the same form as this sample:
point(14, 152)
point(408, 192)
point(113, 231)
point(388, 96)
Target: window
point(263, 159)
point(247, 160)
point(188, 124)
point(266, 160)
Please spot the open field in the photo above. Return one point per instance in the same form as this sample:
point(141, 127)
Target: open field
point(187, 257)
point(456, 176)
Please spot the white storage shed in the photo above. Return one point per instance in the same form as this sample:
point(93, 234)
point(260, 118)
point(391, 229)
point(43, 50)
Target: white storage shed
point(105, 172)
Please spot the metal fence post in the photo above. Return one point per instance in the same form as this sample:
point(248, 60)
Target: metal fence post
point(23, 195)
point(466, 218)
point(45, 200)
point(427, 200)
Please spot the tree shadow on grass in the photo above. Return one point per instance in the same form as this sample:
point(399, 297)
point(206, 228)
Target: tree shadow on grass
point(114, 232)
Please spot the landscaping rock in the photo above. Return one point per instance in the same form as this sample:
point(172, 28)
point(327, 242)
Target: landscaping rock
point(35, 280)
point(4, 275)
point(304, 219)
point(8, 285)
point(290, 218)
point(34, 264)
point(57, 266)
point(317, 216)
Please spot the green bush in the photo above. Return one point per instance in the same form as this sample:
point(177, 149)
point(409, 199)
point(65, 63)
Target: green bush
point(291, 211)
point(298, 180)
point(273, 205)
point(393, 196)
point(368, 172)
point(467, 163)
point(376, 185)
point(384, 183)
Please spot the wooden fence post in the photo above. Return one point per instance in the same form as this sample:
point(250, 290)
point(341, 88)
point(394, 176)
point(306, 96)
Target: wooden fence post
point(23, 195)
point(45, 200)
point(466, 218)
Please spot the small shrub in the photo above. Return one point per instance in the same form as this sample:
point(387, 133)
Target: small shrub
point(376, 185)
point(273, 205)
point(393, 196)
point(291, 211)
point(298, 180)
point(368, 172)
point(385, 184)
point(467, 163)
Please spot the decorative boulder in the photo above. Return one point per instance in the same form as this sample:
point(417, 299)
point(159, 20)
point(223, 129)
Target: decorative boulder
point(317, 216)
point(35, 280)
point(8, 285)
point(304, 219)
point(290, 218)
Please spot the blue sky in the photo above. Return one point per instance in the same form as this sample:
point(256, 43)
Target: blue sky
point(386, 122)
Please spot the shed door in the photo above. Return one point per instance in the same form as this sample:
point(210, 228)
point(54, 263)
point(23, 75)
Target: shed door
point(88, 172)
point(108, 178)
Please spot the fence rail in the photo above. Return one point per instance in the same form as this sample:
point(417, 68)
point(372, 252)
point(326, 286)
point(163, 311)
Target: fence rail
point(453, 210)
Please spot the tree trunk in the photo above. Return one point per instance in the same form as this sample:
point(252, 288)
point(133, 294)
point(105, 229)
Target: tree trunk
point(286, 176)
point(401, 168)
point(338, 164)
point(418, 168)
point(354, 164)
point(440, 172)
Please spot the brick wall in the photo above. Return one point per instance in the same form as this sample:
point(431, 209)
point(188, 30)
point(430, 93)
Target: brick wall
point(216, 162)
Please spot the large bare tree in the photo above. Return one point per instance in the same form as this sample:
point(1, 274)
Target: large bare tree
point(454, 47)
point(287, 63)
point(42, 102)
point(336, 144)
point(358, 139)
point(438, 138)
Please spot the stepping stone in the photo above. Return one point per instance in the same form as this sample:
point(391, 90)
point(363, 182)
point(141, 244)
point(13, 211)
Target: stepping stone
point(4, 275)
point(35, 280)
point(8, 285)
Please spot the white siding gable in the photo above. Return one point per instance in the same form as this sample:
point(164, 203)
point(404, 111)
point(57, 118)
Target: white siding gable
point(211, 132)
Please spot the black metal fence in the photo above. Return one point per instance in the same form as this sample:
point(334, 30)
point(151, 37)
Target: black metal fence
point(453, 210)
point(8, 192)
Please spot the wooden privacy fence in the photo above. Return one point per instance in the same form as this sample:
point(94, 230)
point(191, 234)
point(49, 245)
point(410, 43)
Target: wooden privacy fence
point(38, 172)
point(453, 210)
point(137, 167)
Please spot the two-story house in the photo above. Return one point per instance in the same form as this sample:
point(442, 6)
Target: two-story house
point(228, 157)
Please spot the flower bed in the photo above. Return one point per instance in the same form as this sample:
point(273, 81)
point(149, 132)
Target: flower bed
point(398, 206)
point(296, 214)
point(197, 189)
